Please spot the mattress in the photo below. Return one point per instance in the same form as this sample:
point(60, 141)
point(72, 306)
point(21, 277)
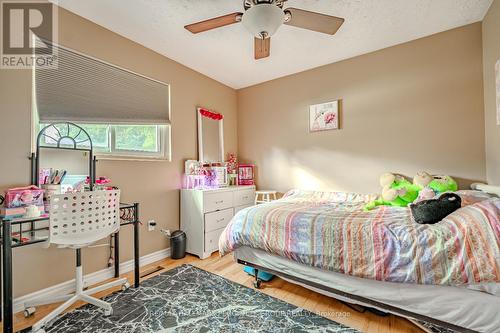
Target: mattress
point(461, 306)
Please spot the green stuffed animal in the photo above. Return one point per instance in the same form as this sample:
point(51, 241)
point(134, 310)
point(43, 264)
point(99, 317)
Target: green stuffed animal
point(396, 191)
point(439, 183)
point(431, 186)
point(443, 183)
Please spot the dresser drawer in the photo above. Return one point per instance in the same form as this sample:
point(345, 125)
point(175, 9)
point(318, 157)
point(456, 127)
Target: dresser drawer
point(218, 220)
point(212, 240)
point(213, 201)
point(244, 197)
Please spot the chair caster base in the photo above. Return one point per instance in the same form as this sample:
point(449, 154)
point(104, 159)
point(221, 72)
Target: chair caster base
point(28, 312)
point(125, 286)
point(108, 313)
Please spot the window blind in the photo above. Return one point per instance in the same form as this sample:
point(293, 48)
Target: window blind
point(86, 90)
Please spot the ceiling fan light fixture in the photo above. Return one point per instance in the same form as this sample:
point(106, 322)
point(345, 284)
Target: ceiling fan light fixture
point(263, 20)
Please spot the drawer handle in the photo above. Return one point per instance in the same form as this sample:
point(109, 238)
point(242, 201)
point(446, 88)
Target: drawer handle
point(219, 202)
point(220, 220)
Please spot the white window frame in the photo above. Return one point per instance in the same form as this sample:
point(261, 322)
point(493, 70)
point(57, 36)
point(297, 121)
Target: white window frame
point(163, 142)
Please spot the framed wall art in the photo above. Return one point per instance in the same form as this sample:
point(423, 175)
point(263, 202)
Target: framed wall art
point(324, 117)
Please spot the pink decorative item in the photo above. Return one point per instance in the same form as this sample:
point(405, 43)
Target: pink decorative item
point(246, 174)
point(425, 194)
point(194, 181)
point(24, 196)
point(206, 178)
point(232, 163)
point(210, 114)
point(102, 180)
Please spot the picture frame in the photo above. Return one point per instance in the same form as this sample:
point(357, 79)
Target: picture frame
point(246, 174)
point(497, 85)
point(324, 116)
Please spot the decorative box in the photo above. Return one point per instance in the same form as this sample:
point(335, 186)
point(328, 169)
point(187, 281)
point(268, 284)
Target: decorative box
point(24, 196)
point(246, 174)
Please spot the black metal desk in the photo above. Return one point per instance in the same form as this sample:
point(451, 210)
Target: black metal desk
point(24, 232)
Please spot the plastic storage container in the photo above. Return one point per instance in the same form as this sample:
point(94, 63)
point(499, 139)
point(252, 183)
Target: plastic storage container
point(178, 244)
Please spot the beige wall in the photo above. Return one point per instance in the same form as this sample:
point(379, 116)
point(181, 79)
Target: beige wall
point(415, 106)
point(491, 54)
point(154, 184)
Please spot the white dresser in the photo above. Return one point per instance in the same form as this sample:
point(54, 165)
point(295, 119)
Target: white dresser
point(205, 214)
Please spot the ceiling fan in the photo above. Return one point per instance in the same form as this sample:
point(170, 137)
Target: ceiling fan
point(262, 18)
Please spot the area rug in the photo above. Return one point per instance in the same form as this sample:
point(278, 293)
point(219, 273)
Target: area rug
point(189, 299)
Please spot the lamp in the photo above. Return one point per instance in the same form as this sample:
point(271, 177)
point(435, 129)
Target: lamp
point(263, 20)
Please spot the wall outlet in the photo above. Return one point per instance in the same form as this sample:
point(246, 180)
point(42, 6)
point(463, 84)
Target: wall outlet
point(166, 232)
point(151, 225)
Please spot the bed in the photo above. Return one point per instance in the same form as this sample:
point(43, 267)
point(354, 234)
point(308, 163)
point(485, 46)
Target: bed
point(447, 273)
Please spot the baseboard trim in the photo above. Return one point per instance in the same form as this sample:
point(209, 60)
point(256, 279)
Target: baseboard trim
point(90, 279)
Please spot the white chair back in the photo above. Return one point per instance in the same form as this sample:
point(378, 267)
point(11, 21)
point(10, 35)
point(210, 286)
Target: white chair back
point(80, 219)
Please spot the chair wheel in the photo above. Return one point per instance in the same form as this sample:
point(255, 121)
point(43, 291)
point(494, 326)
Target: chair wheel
point(125, 286)
point(257, 283)
point(29, 311)
point(108, 313)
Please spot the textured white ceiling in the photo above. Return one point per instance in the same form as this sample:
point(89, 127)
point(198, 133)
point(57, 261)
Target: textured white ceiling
point(226, 54)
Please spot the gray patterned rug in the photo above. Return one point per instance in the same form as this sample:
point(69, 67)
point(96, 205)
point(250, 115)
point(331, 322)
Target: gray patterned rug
point(188, 299)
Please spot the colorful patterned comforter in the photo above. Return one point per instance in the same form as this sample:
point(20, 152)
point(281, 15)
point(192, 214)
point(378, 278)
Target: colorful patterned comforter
point(330, 230)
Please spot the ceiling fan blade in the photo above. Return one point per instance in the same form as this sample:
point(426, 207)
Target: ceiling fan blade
point(314, 21)
point(262, 47)
point(213, 23)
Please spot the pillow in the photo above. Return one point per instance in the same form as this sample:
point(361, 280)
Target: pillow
point(470, 197)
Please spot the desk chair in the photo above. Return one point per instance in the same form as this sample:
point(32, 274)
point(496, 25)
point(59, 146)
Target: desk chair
point(78, 220)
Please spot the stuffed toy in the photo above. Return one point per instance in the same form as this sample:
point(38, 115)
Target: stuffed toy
point(399, 192)
point(422, 179)
point(431, 186)
point(396, 191)
point(443, 183)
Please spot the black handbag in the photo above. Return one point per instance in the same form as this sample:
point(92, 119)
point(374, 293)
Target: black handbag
point(434, 210)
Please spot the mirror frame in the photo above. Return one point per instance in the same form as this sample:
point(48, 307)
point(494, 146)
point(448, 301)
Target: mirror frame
point(199, 111)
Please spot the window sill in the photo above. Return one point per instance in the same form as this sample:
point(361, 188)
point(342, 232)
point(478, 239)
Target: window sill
point(132, 158)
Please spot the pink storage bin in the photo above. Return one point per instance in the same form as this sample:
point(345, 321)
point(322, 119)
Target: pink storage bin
point(23, 196)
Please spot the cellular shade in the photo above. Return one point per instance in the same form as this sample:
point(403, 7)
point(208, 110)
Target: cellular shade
point(84, 89)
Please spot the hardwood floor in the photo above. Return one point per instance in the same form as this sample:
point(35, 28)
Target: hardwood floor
point(291, 293)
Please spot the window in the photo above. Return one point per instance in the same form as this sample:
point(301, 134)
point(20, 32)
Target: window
point(126, 141)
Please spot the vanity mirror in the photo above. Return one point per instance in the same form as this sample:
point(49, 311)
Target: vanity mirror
point(210, 137)
point(211, 144)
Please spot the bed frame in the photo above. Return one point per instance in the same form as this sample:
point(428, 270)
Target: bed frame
point(390, 308)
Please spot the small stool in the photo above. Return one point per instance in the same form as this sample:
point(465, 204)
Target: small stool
point(265, 196)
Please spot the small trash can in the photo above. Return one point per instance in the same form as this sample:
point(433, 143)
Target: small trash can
point(178, 244)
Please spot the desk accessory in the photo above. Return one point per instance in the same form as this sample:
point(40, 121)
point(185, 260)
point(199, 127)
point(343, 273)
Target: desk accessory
point(23, 196)
point(32, 211)
point(9, 213)
point(50, 190)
